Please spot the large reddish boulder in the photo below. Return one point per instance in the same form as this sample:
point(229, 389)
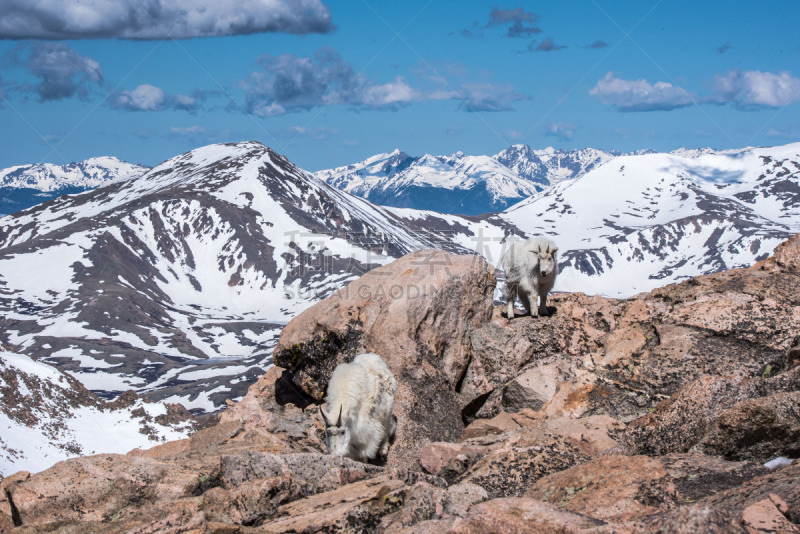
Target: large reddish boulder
point(417, 313)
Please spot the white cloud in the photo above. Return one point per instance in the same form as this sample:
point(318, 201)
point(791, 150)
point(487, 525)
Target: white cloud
point(639, 95)
point(184, 102)
point(158, 19)
point(148, 97)
point(270, 109)
point(289, 83)
point(756, 88)
point(388, 94)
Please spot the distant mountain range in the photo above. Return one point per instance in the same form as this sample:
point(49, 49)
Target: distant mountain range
point(449, 184)
point(462, 184)
point(176, 283)
point(24, 186)
point(455, 183)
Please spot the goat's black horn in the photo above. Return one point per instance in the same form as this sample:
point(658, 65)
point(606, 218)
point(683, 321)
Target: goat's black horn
point(339, 422)
point(322, 413)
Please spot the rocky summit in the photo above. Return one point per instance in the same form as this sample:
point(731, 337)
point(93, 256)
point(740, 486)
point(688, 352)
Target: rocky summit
point(660, 413)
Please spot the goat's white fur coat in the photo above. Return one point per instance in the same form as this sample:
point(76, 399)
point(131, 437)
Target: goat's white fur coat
point(360, 398)
point(531, 268)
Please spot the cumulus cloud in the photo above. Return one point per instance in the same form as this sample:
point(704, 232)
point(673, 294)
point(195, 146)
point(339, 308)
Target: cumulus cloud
point(184, 102)
point(158, 19)
point(756, 89)
point(288, 83)
point(148, 97)
point(396, 92)
point(520, 23)
point(486, 96)
point(561, 130)
point(62, 72)
point(546, 46)
point(639, 95)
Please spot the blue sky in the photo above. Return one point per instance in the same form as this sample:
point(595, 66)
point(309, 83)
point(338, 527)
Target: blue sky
point(332, 82)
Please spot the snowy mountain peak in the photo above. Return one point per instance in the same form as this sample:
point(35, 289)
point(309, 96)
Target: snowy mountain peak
point(455, 183)
point(24, 186)
point(550, 166)
point(90, 173)
point(181, 278)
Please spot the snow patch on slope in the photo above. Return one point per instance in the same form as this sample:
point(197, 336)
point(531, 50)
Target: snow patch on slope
point(48, 417)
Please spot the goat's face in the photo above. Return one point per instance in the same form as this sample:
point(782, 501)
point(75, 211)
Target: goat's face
point(545, 257)
point(547, 263)
point(337, 434)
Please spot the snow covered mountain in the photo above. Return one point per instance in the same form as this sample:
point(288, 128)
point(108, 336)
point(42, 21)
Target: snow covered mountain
point(467, 185)
point(462, 184)
point(642, 221)
point(550, 166)
point(177, 283)
point(47, 416)
point(24, 186)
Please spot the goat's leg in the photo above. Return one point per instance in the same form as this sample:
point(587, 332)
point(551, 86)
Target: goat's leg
point(511, 296)
point(392, 426)
point(543, 303)
point(526, 302)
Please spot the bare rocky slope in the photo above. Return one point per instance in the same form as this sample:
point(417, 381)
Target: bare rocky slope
point(654, 413)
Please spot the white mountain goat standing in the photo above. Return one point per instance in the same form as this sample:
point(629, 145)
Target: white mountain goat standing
point(360, 398)
point(531, 268)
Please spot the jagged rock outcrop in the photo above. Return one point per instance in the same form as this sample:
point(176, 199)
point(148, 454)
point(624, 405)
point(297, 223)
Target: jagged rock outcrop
point(735, 417)
point(650, 414)
point(417, 313)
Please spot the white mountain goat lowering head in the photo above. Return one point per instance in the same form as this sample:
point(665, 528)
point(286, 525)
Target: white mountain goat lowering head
point(531, 268)
point(359, 422)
